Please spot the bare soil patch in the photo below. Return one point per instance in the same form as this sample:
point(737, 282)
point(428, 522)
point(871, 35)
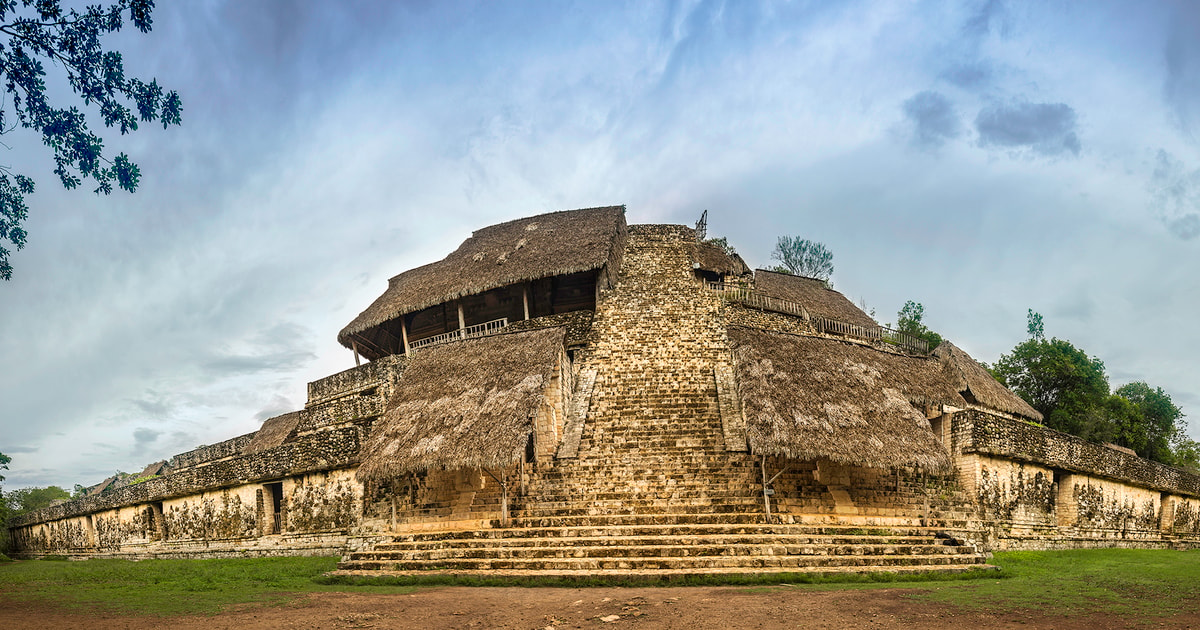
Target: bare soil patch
point(684, 608)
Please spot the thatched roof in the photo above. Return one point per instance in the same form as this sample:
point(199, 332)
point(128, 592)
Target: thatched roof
point(467, 404)
point(102, 486)
point(979, 385)
point(715, 259)
point(811, 397)
point(554, 244)
point(273, 432)
point(152, 469)
point(811, 293)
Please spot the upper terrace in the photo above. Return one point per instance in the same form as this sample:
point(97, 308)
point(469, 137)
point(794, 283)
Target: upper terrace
point(532, 267)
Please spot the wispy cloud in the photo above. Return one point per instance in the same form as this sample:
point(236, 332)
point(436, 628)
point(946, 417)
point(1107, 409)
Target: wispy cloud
point(933, 119)
point(1043, 128)
point(1182, 61)
point(1175, 196)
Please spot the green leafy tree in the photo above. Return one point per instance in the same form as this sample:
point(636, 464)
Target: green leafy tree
point(37, 33)
point(909, 320)
point(31, 499)
point(1037, 329)
point(1061, 381)
point(723, 243)
point(1154, 422)
point(803, 258)
point(1185, 452)
point(5, 460)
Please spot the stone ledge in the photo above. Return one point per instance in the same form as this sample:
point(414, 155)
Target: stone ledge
point(988, 434)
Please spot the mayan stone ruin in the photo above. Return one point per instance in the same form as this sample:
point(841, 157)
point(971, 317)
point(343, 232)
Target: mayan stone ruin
point(571, 395)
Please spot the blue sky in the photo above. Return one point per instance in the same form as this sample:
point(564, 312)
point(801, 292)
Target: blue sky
point(980, 157)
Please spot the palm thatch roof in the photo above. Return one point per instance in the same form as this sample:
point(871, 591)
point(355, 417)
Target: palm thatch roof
point(817, 298)
point(554, 244)
point(714, 258)
point(811, 397)
point(102, 486)
point(979, 386)
point(274, 431)
point(468, 404)
point(152, 470)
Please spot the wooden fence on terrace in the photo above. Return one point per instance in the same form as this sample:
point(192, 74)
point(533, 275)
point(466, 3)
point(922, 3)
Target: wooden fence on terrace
point(872, 334)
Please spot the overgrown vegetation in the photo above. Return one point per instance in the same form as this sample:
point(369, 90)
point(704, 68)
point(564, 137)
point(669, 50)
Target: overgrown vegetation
point(1071, 391)
point(909, 320)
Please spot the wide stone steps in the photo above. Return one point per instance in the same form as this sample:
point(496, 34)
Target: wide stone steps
point(626, 551)
point(625, 575)
point(628, 545)
point(627, 563)
point(678, 526)
point(700, 543)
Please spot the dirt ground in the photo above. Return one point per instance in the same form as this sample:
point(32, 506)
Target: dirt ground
point(685, 608)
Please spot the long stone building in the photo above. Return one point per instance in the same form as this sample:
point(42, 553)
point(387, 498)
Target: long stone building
point(569, 393)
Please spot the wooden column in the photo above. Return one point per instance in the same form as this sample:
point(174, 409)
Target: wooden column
point(354, 347)
point(462, 322)
point(525, 298)
point(404, 332)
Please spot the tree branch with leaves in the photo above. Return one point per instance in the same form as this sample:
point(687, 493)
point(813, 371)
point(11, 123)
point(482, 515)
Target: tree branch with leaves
point(36, 32)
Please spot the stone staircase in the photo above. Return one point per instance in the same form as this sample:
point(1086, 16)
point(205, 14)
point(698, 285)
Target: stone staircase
point(646, 486)
point(633, 546)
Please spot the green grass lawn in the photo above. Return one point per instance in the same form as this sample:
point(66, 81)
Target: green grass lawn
point(1131, 582)
point(1137, 582)
point(169, 587)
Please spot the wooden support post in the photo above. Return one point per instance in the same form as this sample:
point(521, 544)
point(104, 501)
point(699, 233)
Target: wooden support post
point(525, 298)
point(766, 497)
point(462, 322)
point(767, 485)
point(354, 347)
point(404, 332)
point(503, 497)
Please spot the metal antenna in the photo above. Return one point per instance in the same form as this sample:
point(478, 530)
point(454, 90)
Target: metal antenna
point(702, 226)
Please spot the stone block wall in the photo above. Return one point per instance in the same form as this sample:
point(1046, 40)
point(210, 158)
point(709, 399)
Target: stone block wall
point(1035, 488)
point(1018, 494)
point(446, 498)
point(209, 453)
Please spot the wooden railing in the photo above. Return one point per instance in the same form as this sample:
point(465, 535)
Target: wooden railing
point(825, 325)
point(478, 330)
point(754, 299)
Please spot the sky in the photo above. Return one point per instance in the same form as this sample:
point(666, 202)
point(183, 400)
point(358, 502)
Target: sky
point(982, 158)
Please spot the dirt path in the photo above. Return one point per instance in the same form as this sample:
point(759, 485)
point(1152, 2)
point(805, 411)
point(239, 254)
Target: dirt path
point(695, 608)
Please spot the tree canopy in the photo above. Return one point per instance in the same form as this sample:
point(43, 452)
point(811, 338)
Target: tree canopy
point(31, 499)
point(1071, 390)
point(803, 258)
point(36, 33)
point(909, 320)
